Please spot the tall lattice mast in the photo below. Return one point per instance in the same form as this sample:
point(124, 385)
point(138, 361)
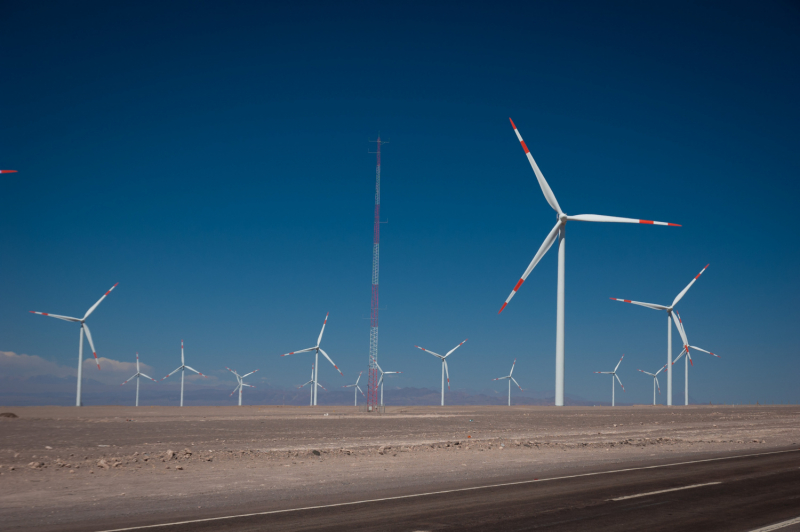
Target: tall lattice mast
point(372, 389)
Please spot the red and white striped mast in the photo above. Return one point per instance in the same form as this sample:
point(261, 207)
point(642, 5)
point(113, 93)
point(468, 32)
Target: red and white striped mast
point(372, 388)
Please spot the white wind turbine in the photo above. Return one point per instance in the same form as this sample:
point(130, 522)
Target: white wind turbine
point(241, 385)
point(317, 349)
point(311, 400)
point(137, 376)
point(444, 364)
point(182, 368)
point(380, 381)
point(613, 375)
point(655, 381)
point(356, 388)
point(84, 328)
point(510, 378)
point(669, 310)
point(685, 351)
point(559, 230)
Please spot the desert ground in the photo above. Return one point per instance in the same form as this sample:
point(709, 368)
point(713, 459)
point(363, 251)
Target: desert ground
point(93, 468)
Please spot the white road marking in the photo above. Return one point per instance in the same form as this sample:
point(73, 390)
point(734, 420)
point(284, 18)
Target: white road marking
point(415, 495)
point(778, 526)
point(663, 491)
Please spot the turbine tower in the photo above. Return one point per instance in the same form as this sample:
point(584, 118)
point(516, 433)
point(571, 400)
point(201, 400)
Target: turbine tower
point(372, 383)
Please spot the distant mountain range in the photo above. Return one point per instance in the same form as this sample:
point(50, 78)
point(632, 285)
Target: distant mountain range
point(60, 391)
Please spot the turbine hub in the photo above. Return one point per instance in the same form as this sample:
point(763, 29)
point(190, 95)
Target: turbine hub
point(562, 217)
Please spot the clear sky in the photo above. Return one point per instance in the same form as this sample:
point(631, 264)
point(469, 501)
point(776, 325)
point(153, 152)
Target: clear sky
point(211, 157)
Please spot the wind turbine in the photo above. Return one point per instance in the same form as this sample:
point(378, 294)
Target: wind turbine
point(613, 375)
point(380, 381)
point(559, 230)
point(317, 349)
point(137, 376)
point(84, 328)
point(182, 368)
point(669, 310)
point(685, 351)
point(240, 380)
point(655, 381)
point(510, 378)
point(311, 401)
point(444, 364)
point(356, 388)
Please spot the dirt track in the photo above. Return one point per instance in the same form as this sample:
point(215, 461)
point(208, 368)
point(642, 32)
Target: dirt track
point(284, 456)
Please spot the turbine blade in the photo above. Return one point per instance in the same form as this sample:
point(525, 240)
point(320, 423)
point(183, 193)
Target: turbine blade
point(359, 376)
point(301, 351)
point(518, 386)
point(65, 318)
point(8, 171)
point(321, 386)
point(648, 305)
point(323, 329)
point(618, 363)
point(681, 331)
point(173, 373)
point(512, 368)
point(229, 369)
point(379, 381)
point(91, 309)
point(544, 248)
point(646, 372)
point(704, 351)
point(248, 374)
point(127, 381)
point(662, 369)
point(548, 193)
point(137, 362)
point(431, 352)
point(360, 390)
point(456, 347)
point(331, 361)
point(192, 369)
point(657, 385)
point(615, 219)
point(235, 390)
point(446, 373)
point(91, 344)
point(148, 377)
point(683, 292)
point(619, 381)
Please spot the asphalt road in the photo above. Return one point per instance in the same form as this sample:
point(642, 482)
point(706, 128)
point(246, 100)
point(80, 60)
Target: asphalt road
point(730, 494)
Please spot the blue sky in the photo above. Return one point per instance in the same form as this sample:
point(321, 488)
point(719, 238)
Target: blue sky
point(212, 159)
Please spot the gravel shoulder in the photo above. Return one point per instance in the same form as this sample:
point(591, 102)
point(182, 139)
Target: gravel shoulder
point(61, 467)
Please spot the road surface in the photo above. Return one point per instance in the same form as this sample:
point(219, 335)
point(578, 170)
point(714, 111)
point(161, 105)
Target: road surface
point(730, 493)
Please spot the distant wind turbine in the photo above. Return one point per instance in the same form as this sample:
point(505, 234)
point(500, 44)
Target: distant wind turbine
point(137, 376)
point(685, 351)
point(241, 385)
point(84, 329)
point(509, 378)
point(444, 364)
point(311, 400)
point(317, 349)
point(613, 375)
point(380, 381)
point(559, 230)
point(655, 381)
point(182, 368)
point(356, 388)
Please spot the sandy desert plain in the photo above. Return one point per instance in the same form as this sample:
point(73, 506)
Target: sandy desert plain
point(61, 467)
